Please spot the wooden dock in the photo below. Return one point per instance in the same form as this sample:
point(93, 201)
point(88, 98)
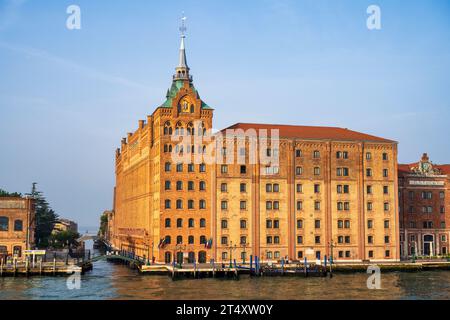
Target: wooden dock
point(54, 268)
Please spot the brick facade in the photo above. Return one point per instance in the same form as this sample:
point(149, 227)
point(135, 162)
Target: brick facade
point(424, 208)
point(17, 225)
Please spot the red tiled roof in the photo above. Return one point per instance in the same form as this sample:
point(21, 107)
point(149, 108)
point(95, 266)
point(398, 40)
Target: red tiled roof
point(311, 132)
point(445, 168)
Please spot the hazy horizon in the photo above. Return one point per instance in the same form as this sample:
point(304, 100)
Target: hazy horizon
point(67, 97)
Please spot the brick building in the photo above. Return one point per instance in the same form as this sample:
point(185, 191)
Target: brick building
point(17, 225)
point(330, 190)
point(424, 193)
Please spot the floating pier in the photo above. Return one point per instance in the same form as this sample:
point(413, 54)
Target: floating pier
point(24, 268)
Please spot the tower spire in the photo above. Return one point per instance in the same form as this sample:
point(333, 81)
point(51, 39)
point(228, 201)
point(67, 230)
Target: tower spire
point(182, 70)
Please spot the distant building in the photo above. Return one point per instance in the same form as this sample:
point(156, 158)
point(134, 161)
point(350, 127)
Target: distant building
point(334, 191)
point(17, 225)
point(65, 225)
point(424, 193)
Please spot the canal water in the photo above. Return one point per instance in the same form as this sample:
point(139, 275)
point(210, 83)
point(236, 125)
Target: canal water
point(112, 281)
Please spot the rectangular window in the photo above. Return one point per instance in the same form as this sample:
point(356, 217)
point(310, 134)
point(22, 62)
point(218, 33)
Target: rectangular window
point(385, 156)
point(299, 239)
point(317, 188)
point(299, 171)
point(385, 173)
point(268, 187)
point(224, 187)
point(317, 205)
point(299, 224)
point(369, 224)
point(298, 153)
point(243, 187)
point(299, 205)
point(276, 187)
point(369, 189)
point(368, 156)
point(316, 171)
point(243, 205)
point(317, 224)
point(243, 169)
point(299, 188)
point(224, 168)
point(224, 205)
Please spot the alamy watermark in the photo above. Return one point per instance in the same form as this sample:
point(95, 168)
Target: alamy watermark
point(196, 145)
point(374, 19)
point(73, 21)
point(374, 280)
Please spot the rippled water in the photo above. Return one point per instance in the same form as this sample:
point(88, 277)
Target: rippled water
point(111, 281)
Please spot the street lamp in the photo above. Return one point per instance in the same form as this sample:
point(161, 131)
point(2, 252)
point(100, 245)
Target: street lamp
point(180, 247)
point(231, 252)
point(244, 245)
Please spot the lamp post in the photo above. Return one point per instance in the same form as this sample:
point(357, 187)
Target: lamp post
point(231, 252)
point(244, 245)
point(331, 244)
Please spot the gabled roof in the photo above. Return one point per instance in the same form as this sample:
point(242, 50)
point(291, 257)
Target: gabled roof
point(311, 132)
point(173, 91)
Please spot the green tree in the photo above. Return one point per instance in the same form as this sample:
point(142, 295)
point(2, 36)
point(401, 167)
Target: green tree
point(4, 193)
point(64, 239)
point(45, 218)
point(103, 225)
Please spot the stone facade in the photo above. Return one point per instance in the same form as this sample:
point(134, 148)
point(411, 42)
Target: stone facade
point(341, 202)
point(17, 225)
point(424, 208)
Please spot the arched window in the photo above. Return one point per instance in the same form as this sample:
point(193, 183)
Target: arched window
point(4, 223)
point(18, 225)
point(17, 251)
point(179, 223)
point(167, 223)
point(167, 166)
point(191, 223)
point(202, 239)
point(167, 128)
point(179, 239)
point(191, 240)
point(179, 204)
point(190, 129)
point(179, 128)
point(179, 185)
point(167, 204)
point(167, 240)
point(201, 128)
point(202, 223)
point(167, 257)
point(202, 186)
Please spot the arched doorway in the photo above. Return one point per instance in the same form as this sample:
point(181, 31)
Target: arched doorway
point(202, 257)
point(191, 257)
point(168, 257)
point(428, 241)
point(179, 257)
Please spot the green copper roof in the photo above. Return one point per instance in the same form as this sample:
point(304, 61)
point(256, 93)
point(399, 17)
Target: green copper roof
point(173, 91)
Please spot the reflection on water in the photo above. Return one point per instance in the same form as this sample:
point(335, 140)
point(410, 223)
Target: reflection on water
point(110, 281)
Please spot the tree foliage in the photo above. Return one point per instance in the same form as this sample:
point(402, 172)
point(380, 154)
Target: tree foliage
point(103, 225)
point(63, 239)
point(4, 193)
point(45, 218)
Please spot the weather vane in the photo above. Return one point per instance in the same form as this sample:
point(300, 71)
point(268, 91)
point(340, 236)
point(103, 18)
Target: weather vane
point(183, 25)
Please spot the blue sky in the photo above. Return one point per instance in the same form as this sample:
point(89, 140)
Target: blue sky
point(67, 97)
